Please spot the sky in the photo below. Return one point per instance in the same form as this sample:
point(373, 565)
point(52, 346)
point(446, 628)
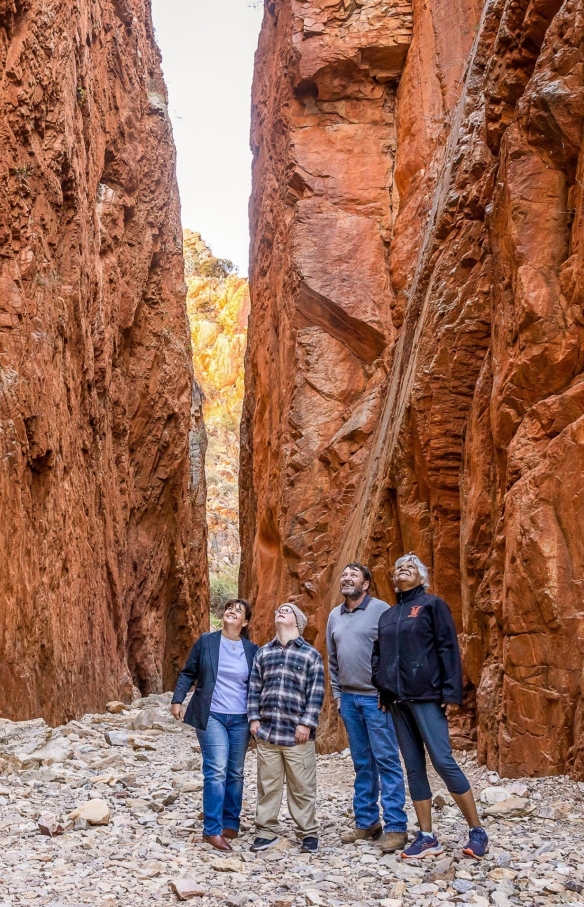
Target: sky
point(207, 49)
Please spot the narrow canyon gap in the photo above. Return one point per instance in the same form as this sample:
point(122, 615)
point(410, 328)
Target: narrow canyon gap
point(414, 368)
point(103, 578)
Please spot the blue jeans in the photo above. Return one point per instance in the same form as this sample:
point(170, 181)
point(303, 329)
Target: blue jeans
point(375, 756)
point(223, 747)
point(424, 724)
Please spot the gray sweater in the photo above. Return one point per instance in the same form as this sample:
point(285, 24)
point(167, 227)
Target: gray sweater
point(349, 638)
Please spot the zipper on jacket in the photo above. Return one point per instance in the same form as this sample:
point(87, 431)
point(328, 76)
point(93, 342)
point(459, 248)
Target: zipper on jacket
point(397, 647)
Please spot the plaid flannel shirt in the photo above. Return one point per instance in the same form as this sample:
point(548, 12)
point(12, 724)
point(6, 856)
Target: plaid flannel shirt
point(286, 688)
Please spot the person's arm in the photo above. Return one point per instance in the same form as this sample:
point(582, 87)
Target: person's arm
point(186, 679)
point(254, 690)
point(333, 664)
point(448, 653)
point(314, 692)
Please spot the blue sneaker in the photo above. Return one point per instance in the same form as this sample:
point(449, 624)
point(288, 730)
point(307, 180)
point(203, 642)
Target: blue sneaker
point(423, 846)
point(478, 844)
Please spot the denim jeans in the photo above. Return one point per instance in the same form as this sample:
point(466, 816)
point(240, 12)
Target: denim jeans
point(375, 757)
point(223, 747)
point(424, 724)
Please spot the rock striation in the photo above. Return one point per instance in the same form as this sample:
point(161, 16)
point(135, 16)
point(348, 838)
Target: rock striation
point(103, 579)
point(415, 351)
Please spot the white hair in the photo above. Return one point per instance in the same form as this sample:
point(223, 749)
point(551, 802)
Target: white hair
point(422, 569)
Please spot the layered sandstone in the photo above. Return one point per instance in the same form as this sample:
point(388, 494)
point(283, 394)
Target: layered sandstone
point(103, 577)
point(218, 308)
point(415, 358)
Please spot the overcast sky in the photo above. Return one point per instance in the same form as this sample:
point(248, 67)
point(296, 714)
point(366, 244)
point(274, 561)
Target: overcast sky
point(207, 57)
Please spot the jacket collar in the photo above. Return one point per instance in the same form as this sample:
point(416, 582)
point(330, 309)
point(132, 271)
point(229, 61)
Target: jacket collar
point(410, 595)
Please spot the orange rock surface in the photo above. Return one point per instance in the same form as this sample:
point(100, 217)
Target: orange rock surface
point(218, 309)
point(415, 351)
point(103, 580)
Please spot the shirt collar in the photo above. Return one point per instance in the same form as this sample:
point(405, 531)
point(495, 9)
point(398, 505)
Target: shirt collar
point(362, 607)
point(299, 641)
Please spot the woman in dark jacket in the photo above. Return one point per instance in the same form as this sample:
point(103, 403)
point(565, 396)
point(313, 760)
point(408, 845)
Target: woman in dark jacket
point(416, 668)
point(220, 665)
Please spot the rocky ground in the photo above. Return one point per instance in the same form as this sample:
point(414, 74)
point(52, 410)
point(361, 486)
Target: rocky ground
point(106, 811)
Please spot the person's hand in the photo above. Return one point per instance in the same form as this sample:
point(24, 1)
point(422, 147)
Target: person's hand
point(450, 709)
point(176, 711)
point(254, 727)
point(338, 704)
point(302, 734)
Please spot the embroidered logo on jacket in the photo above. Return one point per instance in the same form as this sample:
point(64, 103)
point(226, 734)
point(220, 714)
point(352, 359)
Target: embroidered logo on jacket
point(415, 610)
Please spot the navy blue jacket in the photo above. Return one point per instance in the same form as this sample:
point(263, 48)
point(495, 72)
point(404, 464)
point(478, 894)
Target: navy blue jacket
point(416, 654)
point(201, 669)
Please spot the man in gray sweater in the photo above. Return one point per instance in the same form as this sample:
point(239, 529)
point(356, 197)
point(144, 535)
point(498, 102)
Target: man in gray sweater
point(351, 631)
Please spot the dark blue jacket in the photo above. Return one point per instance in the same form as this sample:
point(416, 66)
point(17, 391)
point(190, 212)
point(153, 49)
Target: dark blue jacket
point(201, 669)
point(416, 654)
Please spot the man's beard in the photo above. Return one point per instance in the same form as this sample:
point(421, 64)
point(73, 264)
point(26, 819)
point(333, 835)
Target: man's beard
point(356, 592)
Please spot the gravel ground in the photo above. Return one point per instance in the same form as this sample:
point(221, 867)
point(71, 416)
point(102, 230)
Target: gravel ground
point(139, 773)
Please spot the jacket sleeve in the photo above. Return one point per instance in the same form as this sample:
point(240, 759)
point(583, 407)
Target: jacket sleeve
point(375, 660)
point(333, 663)
point(188, 676)
point(448, 653)
point(255, 688)
point(314, 692)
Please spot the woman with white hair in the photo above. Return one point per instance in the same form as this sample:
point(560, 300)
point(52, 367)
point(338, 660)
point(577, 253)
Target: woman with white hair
point(417, 670)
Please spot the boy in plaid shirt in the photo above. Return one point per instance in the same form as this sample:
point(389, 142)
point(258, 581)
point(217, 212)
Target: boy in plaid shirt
point(286, 692)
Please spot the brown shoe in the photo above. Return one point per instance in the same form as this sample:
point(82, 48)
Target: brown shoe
point(217, 841)
point(229, 833)
point(393, 840)
point(361, 834)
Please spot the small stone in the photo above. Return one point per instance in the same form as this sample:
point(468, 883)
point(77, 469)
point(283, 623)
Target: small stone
point(115, 707)
point(390, 902)
point(96, 812)
point(227, 864)
point(462, 885)
point(501, 873)
point(491, 795)
point(314, 898)
point(116, 738)
point(499, 899)
point(572, 885)
point(187, 888)
point(50, 826)
point(440, 799)
point(511, 808)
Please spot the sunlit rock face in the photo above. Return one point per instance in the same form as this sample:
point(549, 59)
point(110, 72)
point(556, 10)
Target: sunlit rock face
point(218, 309)
point(103, 575)
point(415, 350)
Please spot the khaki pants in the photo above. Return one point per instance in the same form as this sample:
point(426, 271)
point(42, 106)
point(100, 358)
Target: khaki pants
point(298, 765)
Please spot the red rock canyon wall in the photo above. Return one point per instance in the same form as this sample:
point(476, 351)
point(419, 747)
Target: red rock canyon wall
point(415, 351)
point(103, 579)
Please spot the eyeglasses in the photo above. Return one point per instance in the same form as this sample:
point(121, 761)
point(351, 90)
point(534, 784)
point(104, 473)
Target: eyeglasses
point(285, 609)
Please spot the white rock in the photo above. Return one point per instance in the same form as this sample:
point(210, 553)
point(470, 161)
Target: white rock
point(96, 812)
point(491, 795)
point(187, 888)
point(116, 738)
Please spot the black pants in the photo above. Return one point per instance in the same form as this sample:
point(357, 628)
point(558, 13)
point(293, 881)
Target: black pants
point(421, 726)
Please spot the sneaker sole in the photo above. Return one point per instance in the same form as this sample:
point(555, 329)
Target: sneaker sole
point(307, 850)
point(265, 846)
point(473, 856)
point(429, 852)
